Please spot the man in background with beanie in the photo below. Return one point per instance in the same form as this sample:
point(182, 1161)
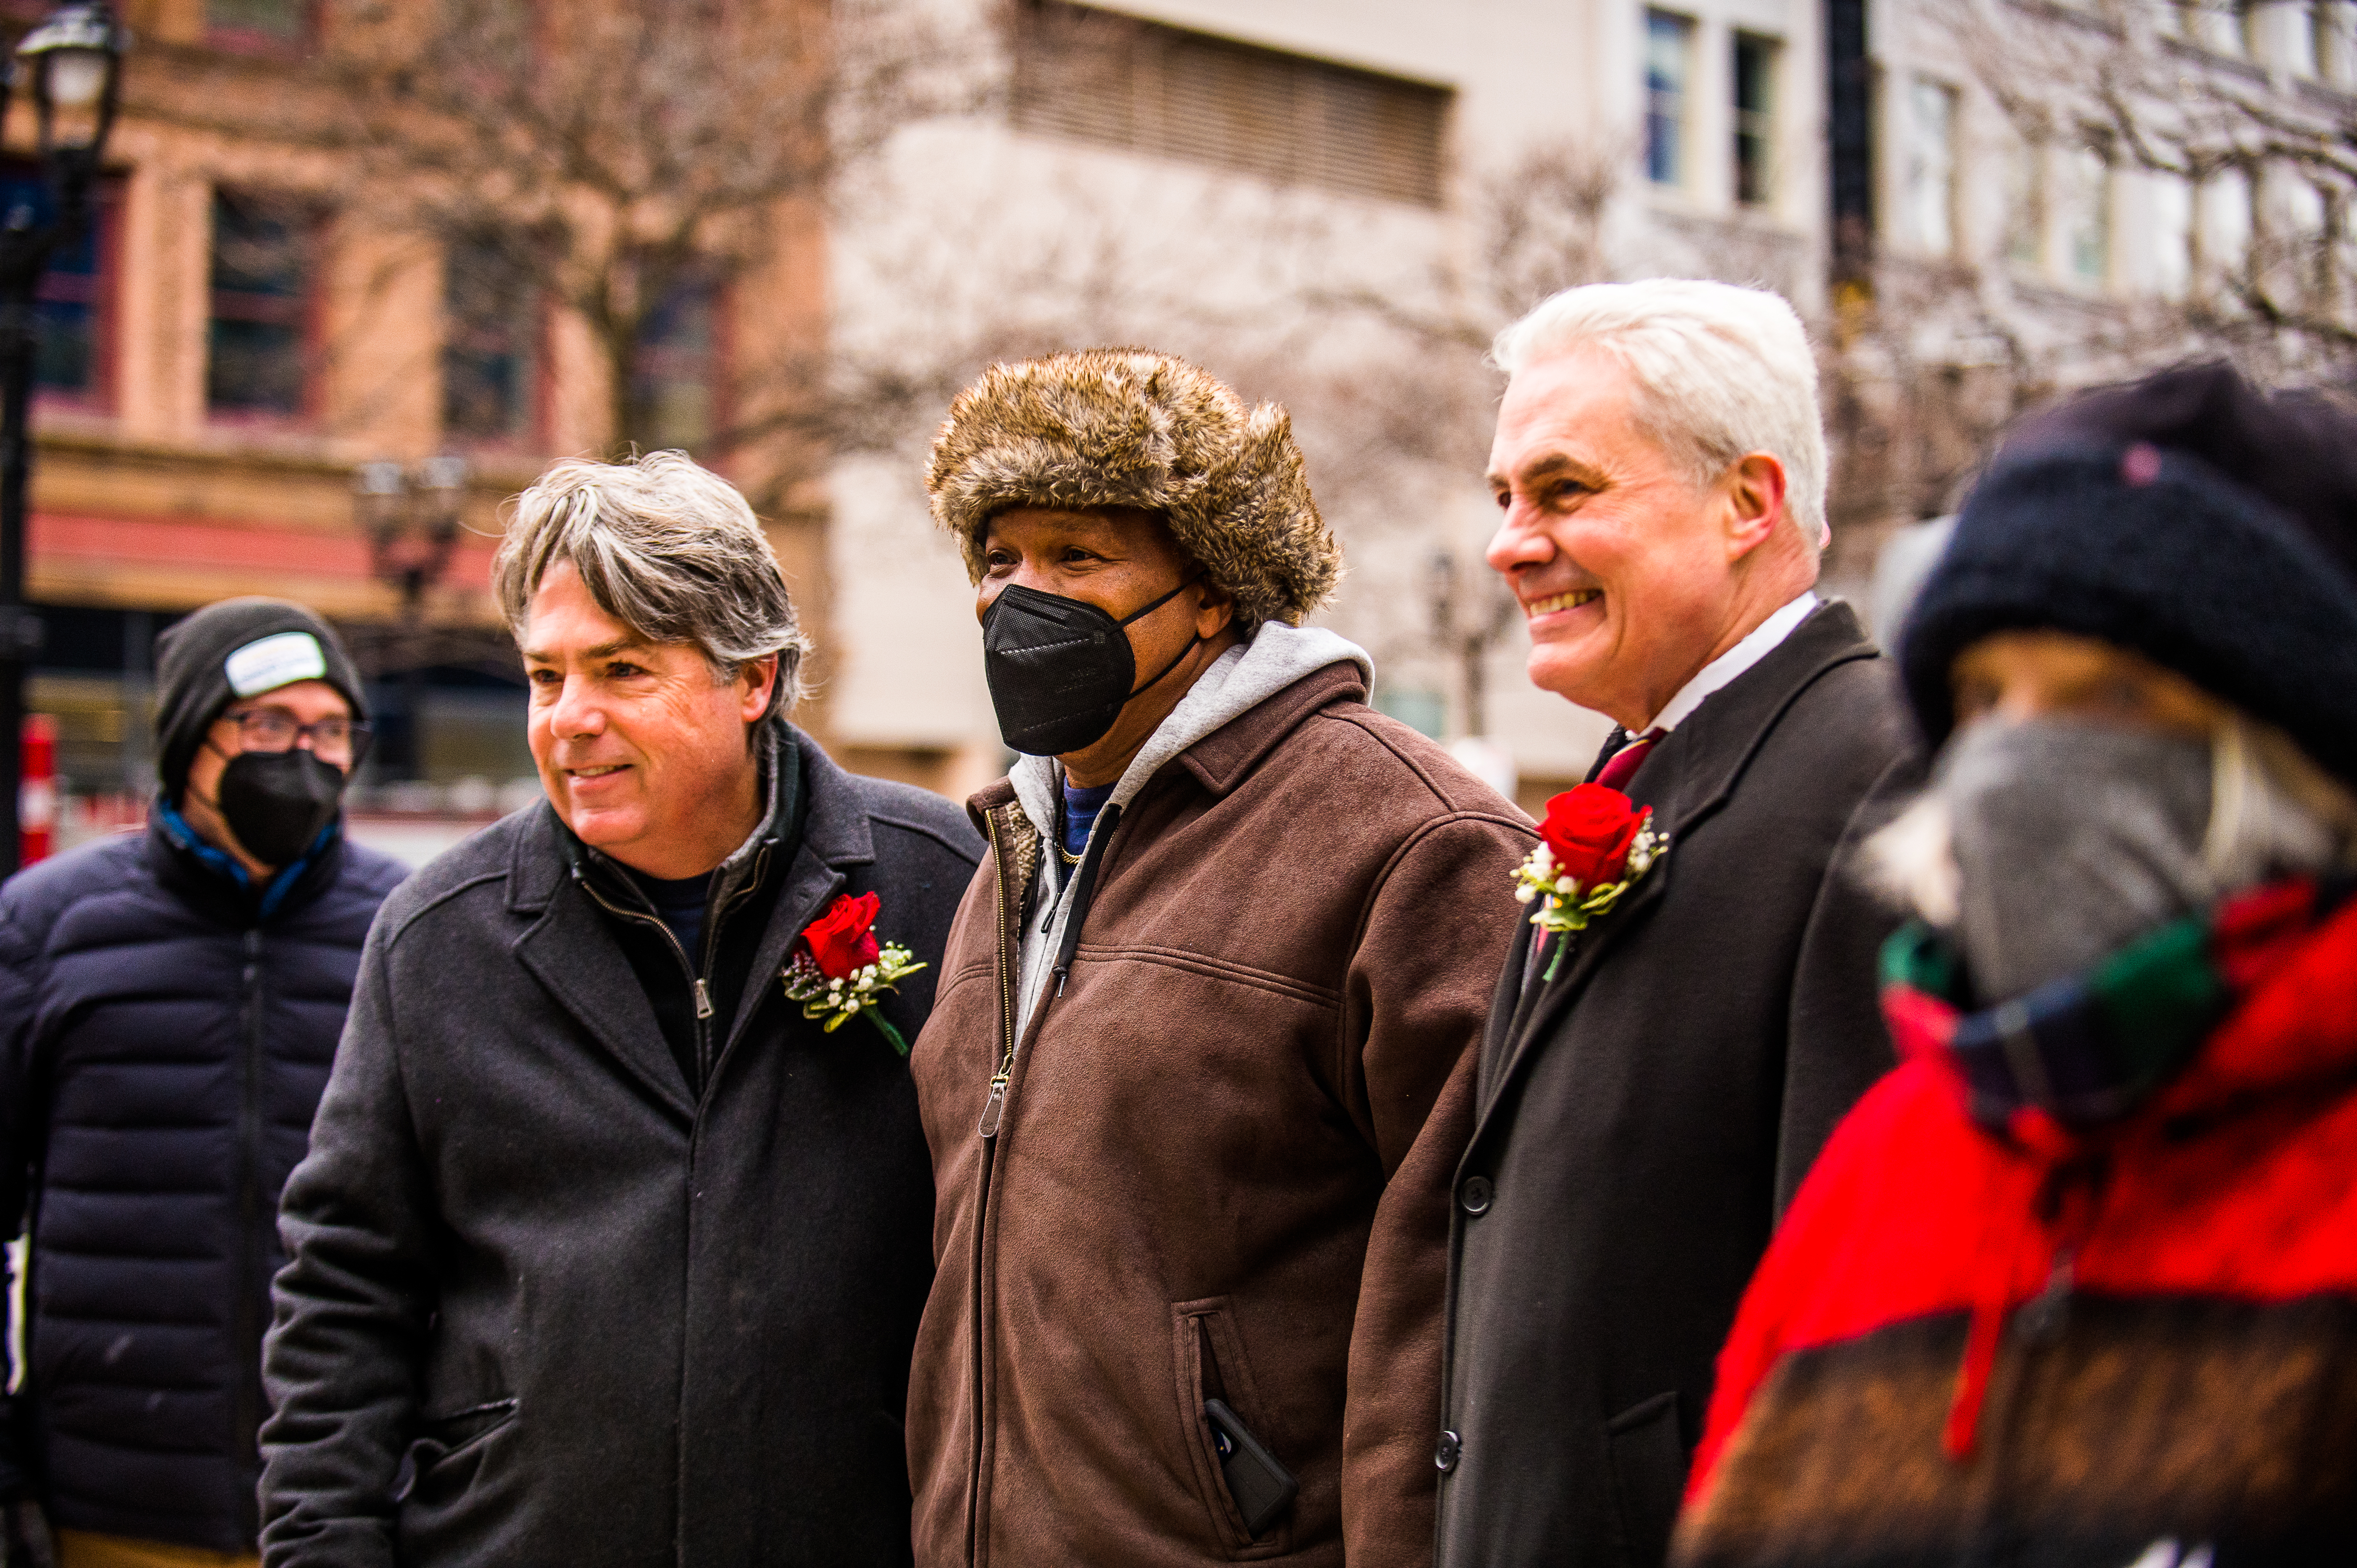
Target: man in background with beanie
point(2078, 1282)
point(1654, 1086)
point(1198, 1072)
point(613, 1237)
point(169, 1004)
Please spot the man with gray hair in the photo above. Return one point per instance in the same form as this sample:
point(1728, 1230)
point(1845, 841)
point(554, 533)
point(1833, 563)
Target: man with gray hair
point(617, 1223)
point(1691, 1005)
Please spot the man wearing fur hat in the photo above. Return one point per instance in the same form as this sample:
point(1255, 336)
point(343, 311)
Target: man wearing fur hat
point(1194, 1080)
point(1692, 1006)
point(2078, 1282)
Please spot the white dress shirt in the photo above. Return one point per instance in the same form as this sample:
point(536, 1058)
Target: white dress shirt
point(1723, 670)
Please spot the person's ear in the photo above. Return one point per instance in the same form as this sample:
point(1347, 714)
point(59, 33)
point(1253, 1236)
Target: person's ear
point(1753, 492)
point(757, 680)
point(1214, 609)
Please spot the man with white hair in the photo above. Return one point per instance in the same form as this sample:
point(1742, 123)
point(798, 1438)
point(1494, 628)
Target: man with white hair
point(617, 1223)
point(1691, 1005)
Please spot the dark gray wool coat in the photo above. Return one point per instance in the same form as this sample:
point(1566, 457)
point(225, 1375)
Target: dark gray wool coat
point(545, 1307)
point(1642, 1119)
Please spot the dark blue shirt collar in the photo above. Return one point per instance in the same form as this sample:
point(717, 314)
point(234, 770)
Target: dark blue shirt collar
point(224, 864)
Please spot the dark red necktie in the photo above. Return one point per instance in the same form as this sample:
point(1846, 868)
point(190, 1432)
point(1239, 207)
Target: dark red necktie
point(1614, 774)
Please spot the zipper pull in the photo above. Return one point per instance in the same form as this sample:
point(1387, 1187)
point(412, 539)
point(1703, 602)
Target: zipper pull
point(993, 1108)
point(703, 1001)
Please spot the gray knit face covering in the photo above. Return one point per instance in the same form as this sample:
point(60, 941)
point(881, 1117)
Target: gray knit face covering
point(2072, 840)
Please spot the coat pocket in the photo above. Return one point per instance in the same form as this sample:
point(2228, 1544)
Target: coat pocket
point(1649, 1477)
point(444, 1446)
point(1209, 1355)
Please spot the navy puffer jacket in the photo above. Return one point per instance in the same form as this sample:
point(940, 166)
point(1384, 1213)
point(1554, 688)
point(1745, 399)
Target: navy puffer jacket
point(164, 1040)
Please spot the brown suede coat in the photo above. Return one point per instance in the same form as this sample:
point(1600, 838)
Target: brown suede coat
point(1223, 1158)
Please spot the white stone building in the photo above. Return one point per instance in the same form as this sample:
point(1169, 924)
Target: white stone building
point(1200, 175)
point(2069, 193)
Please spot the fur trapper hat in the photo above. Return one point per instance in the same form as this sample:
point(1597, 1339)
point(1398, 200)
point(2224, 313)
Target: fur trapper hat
point(1127, 427)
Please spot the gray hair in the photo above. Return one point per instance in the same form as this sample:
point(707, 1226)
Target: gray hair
point(667, 548)
point(1719, 372)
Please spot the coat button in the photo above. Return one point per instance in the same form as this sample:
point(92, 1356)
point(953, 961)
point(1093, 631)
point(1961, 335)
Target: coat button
point(1475, 1195)
point(1444, 1452)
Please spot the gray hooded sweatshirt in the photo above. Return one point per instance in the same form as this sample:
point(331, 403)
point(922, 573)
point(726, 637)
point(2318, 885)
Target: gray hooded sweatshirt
point(1238, 681)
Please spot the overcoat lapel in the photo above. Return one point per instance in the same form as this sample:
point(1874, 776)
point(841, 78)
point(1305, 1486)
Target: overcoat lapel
point(572, 951)
point(1542, 1004)
point(1698, 765)
point(1505, 1013)
point(835, 833)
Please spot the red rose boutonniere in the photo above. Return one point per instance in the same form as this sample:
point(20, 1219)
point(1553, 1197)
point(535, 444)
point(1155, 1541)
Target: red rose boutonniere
point(1592, 845)
point(841, 970)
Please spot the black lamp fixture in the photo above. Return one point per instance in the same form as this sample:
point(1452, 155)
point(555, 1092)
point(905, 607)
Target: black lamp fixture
point(74, 60)
point(410, 518)
point(72, 65)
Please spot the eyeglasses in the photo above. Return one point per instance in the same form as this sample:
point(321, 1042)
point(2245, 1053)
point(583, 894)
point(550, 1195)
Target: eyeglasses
point(336, 740)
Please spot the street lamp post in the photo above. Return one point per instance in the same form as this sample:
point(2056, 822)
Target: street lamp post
point(411, 521)
point(72, 63)
point(1465, 631)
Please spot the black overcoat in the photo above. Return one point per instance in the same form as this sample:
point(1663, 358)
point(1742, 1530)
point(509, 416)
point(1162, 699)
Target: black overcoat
point(543, 1307)
point(1642, 1119)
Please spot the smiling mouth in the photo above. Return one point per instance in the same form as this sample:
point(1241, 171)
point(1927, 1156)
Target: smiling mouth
point(600, 772)
point(1570, 601)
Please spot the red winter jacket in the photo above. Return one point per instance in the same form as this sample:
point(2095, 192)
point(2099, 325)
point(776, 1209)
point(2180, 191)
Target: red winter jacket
point(2133, 1344)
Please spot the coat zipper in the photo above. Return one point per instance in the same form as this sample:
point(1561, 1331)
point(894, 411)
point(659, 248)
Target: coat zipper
point(246, 1317)
point(694, 980)
point(993, 1109)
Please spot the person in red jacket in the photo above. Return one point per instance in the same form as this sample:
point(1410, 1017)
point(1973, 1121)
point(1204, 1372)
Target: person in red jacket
point(2077, 1283)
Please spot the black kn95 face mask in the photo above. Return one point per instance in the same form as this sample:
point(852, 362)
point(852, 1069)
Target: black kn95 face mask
point(1061, 670)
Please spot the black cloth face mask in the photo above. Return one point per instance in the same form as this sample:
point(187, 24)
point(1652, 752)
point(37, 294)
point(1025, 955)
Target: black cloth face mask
point(276, 801)
point(1061, 670)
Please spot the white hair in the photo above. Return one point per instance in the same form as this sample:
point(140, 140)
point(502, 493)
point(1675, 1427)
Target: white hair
point(1720, 372)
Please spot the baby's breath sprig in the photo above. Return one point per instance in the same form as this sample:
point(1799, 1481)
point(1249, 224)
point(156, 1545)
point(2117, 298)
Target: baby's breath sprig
point(1563, 904)
point(862, 990)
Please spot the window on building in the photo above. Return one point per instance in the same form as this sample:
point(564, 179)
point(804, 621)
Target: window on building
point(2224, 208)
point(2177, 245)
point(264, 267)
point(1755, 125)
point(74, 306)
point(2326, 60)
point(1669, 68)
point(1928, 203)
point(2025, 205)
point(281, 23)
point(2311, 218)
point(2085, 208)
point(491, 343)
point(678, 375)
point(1120, 81)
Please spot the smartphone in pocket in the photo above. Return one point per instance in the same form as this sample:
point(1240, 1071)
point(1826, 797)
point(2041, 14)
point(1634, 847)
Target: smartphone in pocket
point(1261, 1487)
